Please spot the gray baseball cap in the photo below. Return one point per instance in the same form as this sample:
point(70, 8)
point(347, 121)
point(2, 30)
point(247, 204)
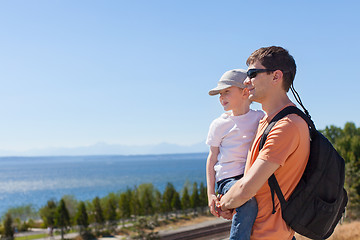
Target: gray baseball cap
point(230, 78)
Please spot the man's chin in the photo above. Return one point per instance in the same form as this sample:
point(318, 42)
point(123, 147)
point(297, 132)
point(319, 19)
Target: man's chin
point(253, 99)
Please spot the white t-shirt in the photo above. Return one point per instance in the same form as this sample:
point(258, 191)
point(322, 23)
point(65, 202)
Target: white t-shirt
point(233, 135)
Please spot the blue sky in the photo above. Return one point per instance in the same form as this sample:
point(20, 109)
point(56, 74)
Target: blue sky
point(76, 73)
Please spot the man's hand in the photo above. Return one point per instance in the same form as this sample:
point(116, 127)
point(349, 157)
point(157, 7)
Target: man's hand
point(224, 213)
point(213, 201)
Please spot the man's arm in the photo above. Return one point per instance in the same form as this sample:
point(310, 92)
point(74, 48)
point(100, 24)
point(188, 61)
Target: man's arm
point(210, 178)
point(247, 187)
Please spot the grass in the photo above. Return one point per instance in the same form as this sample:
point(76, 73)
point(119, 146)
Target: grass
point(32, 236)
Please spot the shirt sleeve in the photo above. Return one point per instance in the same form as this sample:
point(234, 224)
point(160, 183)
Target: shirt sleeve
point(282, 141)
point(214, 137)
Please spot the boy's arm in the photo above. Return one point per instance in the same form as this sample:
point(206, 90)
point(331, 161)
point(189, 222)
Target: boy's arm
point(210, 178)
point(247, 186)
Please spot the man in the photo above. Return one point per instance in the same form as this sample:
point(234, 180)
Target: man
point(271, 72)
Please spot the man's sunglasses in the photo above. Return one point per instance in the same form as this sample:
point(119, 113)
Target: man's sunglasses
point(251, 73)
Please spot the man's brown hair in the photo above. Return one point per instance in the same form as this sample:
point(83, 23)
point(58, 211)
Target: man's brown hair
point(276, 58)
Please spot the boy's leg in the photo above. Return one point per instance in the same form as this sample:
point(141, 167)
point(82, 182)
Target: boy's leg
point(243, 220)
point(223, 186)
point(244, 216)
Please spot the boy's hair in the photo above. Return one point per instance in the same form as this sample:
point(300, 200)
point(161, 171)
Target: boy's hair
point(276, 58)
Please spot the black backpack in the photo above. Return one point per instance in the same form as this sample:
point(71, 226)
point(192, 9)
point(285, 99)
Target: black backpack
point(319, 200)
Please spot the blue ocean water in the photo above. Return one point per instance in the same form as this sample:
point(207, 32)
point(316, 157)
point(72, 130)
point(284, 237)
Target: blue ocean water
point(35, 180)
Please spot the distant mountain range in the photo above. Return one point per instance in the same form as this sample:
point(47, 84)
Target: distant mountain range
point(111, 149)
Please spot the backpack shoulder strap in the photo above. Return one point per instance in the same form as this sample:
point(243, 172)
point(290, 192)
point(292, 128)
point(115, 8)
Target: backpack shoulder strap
point(286, 111)
point(273, 183)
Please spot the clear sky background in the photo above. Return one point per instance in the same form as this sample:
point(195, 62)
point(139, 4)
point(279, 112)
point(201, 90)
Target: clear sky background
point(76, 73)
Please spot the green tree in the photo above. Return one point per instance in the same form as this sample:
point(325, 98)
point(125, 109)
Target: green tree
point(48, 213)
point(350, 129)
point(176, 203)
point(110, 214)
point(332, 133)
point(195, 199)
point(24, 213)
point(99, 219)
point(185, 200)
point(124, 205)
point(167, 198)
point(111, 205)
point(203, 197)
point(146, 198)
point(135, 203)
point(157, 201)
point(81, 218)
point(352, 179)
point(62, 218)
point(8, 227)
point(71, 205)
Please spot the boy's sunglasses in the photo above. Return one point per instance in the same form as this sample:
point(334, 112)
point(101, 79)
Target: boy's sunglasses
point(251, 73)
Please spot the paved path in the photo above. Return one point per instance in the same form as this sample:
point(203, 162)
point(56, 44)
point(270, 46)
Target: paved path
point(216, 229)
point(178, 233)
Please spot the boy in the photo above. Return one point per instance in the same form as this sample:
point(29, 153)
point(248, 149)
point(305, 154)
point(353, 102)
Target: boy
point(229, 139)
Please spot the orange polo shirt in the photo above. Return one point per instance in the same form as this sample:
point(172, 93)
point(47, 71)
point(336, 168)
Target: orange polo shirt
point(288, 144)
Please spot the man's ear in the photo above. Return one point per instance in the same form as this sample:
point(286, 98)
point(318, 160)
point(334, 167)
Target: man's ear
point(278, 75)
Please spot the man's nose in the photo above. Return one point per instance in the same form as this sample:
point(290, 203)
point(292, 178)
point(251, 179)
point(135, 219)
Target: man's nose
point(247, 81)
